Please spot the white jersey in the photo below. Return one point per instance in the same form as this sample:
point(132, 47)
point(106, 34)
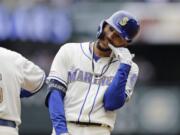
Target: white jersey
point(83, 102)
point(16, 72)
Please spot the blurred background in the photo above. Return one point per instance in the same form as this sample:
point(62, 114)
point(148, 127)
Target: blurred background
point(38, 28)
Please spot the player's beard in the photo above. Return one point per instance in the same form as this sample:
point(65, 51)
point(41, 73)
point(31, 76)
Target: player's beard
point(102, 49)
point(100, 44)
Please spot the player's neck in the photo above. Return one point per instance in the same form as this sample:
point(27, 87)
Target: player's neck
point(100, 50)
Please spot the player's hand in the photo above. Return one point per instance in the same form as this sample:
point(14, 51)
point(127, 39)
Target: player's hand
point(123, 54)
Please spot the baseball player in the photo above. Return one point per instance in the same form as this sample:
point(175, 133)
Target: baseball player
point(89, 81)
point(19, 77)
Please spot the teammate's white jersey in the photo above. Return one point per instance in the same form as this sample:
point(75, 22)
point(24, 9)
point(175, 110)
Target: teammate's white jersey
point(16, 72)
point(83, 102)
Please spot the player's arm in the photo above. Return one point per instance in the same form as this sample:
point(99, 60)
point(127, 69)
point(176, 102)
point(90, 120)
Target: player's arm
point(115, 95)
point(57, 84)
point(123, 83)
point(54, 102)
point(32, 77)
point(25, 93)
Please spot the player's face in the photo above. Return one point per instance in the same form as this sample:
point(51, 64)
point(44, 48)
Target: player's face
point(112, 36)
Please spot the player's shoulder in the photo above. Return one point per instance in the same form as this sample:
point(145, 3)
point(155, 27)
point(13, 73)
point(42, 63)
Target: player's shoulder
point(9, 53)
point(4, 50)
point(69, 45)
point(73, 47)
point(11, 57)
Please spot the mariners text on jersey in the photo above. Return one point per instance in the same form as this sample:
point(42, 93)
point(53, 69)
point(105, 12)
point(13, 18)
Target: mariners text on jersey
point(87, 77)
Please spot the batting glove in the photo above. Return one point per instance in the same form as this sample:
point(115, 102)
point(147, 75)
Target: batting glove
point(122, 54)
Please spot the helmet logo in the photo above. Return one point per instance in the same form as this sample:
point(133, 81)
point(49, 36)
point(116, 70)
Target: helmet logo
point(124, 21)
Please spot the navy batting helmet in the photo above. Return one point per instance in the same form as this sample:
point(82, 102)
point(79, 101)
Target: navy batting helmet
point(124, 23)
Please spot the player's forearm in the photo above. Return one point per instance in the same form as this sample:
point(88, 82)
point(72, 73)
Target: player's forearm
point(115, 96)
point(56, 111)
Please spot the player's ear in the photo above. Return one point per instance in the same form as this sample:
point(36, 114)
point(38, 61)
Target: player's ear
point(100, 32)
point(105, 24)
point(103, 33)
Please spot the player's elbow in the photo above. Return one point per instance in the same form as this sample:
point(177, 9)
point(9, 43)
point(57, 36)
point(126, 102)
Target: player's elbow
point(25, 93)
point(115, 102)
point(111, 106)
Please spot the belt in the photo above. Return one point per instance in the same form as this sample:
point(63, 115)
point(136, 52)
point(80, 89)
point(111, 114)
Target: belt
point(7, 123)
point(90, 124)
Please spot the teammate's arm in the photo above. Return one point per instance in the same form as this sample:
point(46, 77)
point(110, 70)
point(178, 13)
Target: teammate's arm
point(55, 104)
point(25, 93)
point(32, 79)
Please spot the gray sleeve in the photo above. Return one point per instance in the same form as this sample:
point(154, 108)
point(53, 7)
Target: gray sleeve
point(33, 77)
point(131, 81)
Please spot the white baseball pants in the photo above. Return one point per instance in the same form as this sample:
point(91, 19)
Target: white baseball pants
point(75, 129)
point(5, 130)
